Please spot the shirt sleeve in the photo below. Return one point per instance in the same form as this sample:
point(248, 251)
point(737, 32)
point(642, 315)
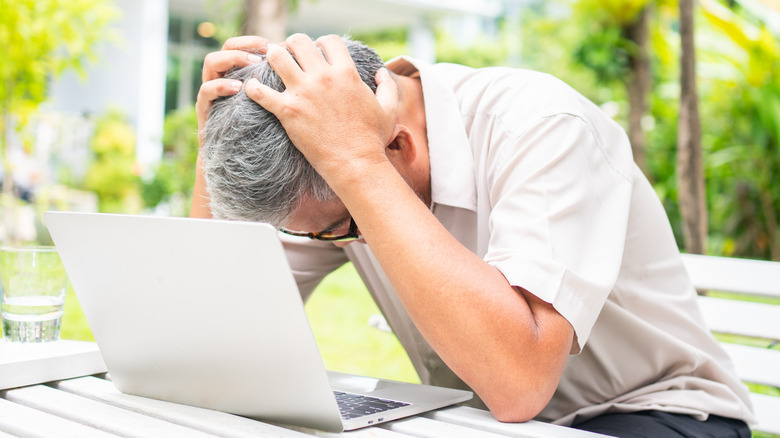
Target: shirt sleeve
point(560, 194)
point(311, 260)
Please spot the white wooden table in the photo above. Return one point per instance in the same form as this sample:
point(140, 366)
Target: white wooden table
point(79, 400)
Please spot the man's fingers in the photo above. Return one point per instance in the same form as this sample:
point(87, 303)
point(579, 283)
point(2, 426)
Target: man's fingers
point(248, 43)
point(210, 91)
point(335, 50)
point(305, 52)
point(386, 92)
point(217, 64)
point(265, 96)
point(216, 88)
point(284, 65)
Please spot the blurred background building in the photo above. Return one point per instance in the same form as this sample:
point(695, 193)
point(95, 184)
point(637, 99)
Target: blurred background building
point(156, 68)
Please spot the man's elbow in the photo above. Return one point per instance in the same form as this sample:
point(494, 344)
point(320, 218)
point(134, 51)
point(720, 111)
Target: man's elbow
point(518, 408)
point(512, 416)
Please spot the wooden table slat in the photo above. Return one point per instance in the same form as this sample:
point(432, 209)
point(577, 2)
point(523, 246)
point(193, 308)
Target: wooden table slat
point(427, 428)
point(22, 421)
point(98, 415)
point(30, 364)
point(205, 420)
point(374, 432)
point(97, 408)
point(483, 420)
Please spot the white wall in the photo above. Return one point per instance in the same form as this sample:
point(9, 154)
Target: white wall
point(130, 76)
point(468, 18)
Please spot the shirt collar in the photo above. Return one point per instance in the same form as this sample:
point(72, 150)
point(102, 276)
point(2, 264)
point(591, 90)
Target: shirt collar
point(451, 159)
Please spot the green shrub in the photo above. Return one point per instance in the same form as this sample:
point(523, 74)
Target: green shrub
point(113, 172)
point(174, 176)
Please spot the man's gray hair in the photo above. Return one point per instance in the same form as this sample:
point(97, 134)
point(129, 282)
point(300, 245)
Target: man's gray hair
point(253, 171)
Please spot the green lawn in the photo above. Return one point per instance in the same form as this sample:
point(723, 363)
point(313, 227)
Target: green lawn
point(74, 325)
point(338, 312)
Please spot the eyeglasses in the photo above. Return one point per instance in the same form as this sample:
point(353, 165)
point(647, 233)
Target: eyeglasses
point(352, 234)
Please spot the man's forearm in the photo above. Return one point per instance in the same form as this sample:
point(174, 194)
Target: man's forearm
point(200, 200)
point(507, 344)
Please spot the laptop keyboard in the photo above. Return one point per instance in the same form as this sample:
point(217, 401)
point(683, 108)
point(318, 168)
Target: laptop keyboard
point(354, 405)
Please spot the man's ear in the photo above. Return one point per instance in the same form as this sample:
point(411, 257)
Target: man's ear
point(403, 149)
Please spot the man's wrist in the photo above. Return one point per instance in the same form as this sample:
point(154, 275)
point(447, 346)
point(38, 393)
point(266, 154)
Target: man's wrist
point(348, 174)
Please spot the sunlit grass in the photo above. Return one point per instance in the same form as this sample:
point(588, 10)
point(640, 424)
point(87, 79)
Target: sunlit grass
point(338, 313)
point(74, 325)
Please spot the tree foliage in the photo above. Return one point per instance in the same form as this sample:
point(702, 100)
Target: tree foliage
point(610, 12)
point(113, 172)
point(605, 48)
point(607, 52)
point(743, 159)
point(739, 91)
point(174, 176)
point(40, 39)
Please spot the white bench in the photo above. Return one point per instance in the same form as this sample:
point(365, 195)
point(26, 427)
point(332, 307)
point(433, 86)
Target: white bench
point(749, 331)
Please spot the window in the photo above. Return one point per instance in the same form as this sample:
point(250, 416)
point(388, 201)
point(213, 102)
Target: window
point(189, 40)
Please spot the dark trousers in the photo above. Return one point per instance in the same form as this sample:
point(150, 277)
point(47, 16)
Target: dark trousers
point(657, 424)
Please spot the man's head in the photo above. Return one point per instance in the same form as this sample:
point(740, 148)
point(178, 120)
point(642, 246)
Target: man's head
point(252, 169)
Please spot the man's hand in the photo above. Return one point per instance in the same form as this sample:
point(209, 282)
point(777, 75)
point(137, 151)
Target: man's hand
point(236, 52)
point(329, 113)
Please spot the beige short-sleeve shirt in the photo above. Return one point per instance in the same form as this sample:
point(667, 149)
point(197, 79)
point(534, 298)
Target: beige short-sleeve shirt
point(541, 184)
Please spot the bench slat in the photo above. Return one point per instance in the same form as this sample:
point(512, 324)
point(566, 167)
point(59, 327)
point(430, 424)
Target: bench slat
point(741, 317)
point(767, 409)
point(733, 275)
point(755, 365)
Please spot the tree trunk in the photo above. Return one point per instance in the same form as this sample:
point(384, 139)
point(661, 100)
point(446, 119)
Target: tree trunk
point(690, 172)
point(266, 18)
point(638, 86)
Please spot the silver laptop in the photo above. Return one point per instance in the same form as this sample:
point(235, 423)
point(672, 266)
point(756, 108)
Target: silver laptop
point(207, 313)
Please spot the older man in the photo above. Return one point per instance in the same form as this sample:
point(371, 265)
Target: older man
point(501, 226)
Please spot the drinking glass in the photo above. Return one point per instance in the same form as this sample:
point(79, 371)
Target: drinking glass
point(32, 293)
